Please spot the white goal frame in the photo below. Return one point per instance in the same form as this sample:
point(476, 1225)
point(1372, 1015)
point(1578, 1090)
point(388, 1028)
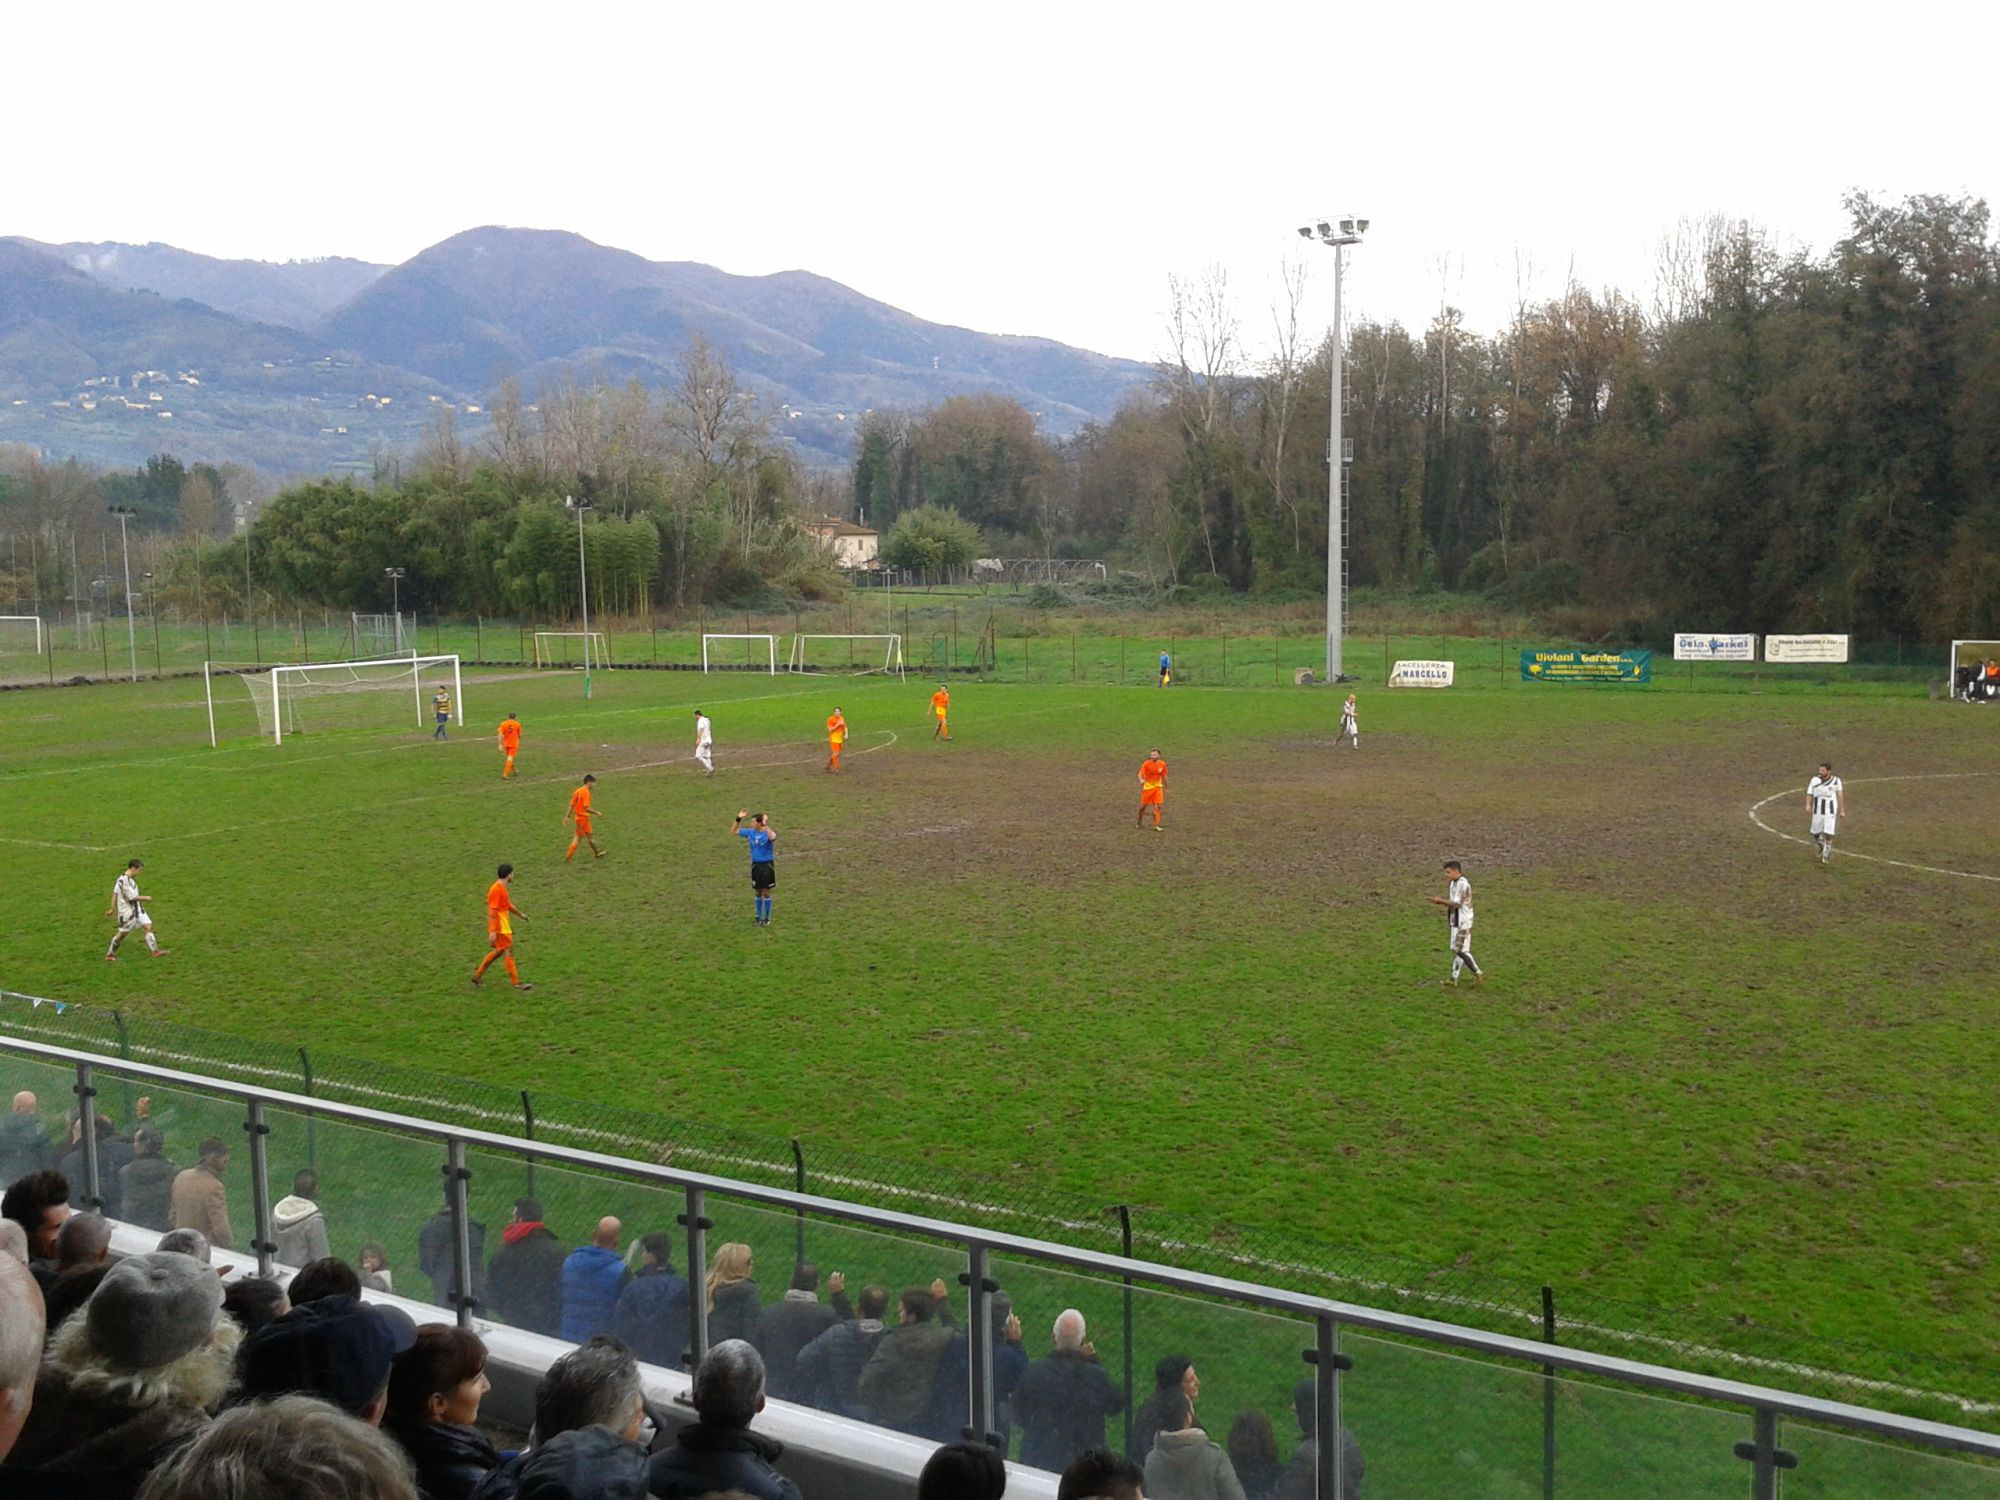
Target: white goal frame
point(770, 649)
point(280, 673)
point(381, 628)
point(588, 637)
point(892, 652)
point(41, 630)
point(1981, 650)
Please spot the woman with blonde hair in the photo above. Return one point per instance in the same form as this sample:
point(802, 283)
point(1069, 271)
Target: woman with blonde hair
point(732, 1294)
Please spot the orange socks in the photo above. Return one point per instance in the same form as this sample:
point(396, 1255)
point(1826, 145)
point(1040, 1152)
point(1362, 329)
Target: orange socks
point(512, 972)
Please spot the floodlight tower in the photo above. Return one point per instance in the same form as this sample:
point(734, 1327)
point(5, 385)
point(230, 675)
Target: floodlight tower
point(395, 577)
point(577, 508)
point(1339, 235)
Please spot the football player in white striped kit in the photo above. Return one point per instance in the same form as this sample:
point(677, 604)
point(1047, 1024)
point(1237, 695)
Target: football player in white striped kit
point(1458, 897)
point(1826, 801)
point(1350, 728)
point(129, 907)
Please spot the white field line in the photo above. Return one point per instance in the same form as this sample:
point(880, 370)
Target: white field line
point(50, 844)
point(1902, 864)
point(644, 1149)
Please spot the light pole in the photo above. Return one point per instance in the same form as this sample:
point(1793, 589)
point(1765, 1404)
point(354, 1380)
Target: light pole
point(131, 631)
point(395, 577)
point(1339, 235)
point(578, 507)
point(153, 614)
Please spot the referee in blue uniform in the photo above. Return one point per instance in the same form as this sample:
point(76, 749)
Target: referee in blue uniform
point(763, 867)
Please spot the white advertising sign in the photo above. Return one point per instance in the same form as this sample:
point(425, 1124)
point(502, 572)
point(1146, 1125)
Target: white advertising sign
point(1805, 648)
point(1691, 647)
point(1422, 674)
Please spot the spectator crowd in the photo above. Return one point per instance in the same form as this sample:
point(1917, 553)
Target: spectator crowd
point(159, 1375)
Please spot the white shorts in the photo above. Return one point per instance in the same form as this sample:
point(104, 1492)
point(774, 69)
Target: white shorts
point(1823, 823)
point(135, 923)
point(705, 755)
point(1461, 936)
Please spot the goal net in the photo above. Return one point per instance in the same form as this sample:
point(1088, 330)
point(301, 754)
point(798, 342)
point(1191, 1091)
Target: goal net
point(847, 653)
point(382, 635)
point(571, 648)
point(747, 658)
point(385, 693)
point(1970, 681)
point(19, 632)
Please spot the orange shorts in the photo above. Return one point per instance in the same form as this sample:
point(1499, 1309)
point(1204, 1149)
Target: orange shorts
point(509, 750)
point(582, 827)
point(499, 942)
point(1149, 795)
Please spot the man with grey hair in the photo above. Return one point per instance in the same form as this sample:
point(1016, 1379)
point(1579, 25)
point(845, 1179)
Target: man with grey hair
point(13, 1240)
point(20, 1347)
point(1063, 1399)
point(292, 1448)
point(187, 1242)
point(594, 1387)
point(720, 1452)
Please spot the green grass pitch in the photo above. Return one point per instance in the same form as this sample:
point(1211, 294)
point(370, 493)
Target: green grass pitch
point(1704, 1074)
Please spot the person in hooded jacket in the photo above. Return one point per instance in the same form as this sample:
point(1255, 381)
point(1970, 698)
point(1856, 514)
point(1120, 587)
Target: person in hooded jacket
point(1184, 1464)
point(720, 1452)
point(654, 1310)
point(435, 1387)
point(146, 1182)
point(524, 1278)
point(592, 1278)
point(298, 1228)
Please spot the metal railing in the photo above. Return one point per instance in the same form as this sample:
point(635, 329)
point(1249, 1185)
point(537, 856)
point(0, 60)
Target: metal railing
point(1332, 1367)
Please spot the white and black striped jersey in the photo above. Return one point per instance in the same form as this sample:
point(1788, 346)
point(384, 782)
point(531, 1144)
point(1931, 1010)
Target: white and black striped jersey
point(1460, 891)
point(1825, 792)
point(125, 897)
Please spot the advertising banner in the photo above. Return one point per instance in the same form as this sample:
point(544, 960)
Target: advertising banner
point(1691, 647)
point(1805, 648)
point(1582, 664)
point(1422, 674)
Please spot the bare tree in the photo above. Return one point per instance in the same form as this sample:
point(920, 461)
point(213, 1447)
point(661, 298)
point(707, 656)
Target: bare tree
point(1283, 373)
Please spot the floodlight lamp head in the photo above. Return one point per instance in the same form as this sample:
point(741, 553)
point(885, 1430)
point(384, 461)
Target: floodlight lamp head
point(1305, 231)
point(1347, 226)
point(1325, 229)
point(1360, 226)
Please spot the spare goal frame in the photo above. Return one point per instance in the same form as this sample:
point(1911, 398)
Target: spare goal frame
point(892, 652)
point(590, 639)
point(41, 630)
point(770, 651)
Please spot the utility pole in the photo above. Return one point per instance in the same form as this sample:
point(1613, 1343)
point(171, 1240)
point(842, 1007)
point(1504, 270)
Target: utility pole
point(1339, 236)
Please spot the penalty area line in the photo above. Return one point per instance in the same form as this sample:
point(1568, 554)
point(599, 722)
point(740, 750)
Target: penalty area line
point(1757, 808)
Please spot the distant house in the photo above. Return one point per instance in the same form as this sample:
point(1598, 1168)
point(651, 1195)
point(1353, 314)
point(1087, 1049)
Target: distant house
point(852, 546)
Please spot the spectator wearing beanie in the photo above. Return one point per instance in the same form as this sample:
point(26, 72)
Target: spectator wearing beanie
point(131, 1376)
point(335, 1348)
point(435, 1387)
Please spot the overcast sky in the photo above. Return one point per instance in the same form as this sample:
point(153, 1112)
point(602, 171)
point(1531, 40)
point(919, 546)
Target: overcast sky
point(1024, 168)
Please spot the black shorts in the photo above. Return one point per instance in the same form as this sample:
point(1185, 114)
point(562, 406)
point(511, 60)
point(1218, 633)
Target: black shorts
point(763, 874)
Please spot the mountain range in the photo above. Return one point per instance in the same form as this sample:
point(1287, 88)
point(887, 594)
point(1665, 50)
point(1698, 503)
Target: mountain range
point(328, 365)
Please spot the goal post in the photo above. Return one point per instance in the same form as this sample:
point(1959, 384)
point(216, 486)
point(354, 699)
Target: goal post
point(15, 627)
point(866, 654)
point(1968, 679)
point(552, 648)
point(289, 699)
point(710, 663)
point(380, 635)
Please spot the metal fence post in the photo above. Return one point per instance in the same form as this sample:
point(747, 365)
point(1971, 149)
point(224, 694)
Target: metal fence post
point(697, 1224)
point(799, 1181)
point(125, 1051)
point(312, 1121)
point(455, 1178)
point(979, 1338)
point(1764, 1454)
point(528, 1133)
point(1327, 1362)
point(1548, 1397)
point(260, 1185)
point(86, 1119)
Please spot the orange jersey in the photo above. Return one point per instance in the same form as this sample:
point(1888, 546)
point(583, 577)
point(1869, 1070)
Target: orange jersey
point(940, 701)
point(1153, 775)
point(510, 735)
point(497, 907)
point(836, 729)
point(579, 804)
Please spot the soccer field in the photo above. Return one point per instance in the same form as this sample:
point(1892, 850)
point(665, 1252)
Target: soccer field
point(1705, 1074)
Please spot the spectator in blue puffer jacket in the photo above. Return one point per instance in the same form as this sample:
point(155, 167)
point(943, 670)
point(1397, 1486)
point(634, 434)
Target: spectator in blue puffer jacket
point(592, 1278)
point(653, 1310)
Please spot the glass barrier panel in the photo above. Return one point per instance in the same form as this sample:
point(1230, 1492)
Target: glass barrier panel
point(542, 1270)
point(352, 1191)
point(49, 1149)
point(920, 1385)
point(1246, 1366)
point(1845, 1466)
point(1428, 1423)
point(215, 1198)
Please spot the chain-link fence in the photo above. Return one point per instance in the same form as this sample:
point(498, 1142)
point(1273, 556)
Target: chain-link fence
point(1914, 1383)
